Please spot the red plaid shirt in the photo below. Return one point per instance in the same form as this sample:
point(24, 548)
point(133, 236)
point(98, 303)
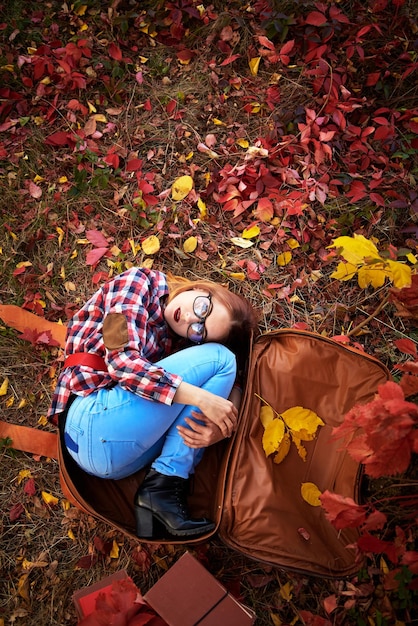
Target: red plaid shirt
point(139, 295)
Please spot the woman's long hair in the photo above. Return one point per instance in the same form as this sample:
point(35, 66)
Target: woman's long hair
point(244, 320)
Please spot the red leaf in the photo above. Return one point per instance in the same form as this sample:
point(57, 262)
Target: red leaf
point(357, 191)
point(115, 52)
point(230, 59)
point(409, 385)
point(16, 511)
point(264, 210)
point(94, 256)
point(133, 165)
point(60, 138)
point(330, 603)
point(87, 561)
point(112, 160)
point(368, 543)
point(34, 190)
point(102, 546)
point(171, 106)
point(266, 42)
point(309, 619)
point(410, 559)
point(342, 512)
point(375, 521)
point(30, 488)
point(315, 18)
point(287, 47)
point(185, 55)
point(407, 346)
point(377, 199)
point(97, 238)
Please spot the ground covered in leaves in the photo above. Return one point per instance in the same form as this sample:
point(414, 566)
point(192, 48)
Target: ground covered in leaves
point(293, 123)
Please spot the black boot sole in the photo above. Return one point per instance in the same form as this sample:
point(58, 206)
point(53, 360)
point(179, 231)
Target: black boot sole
point(145, 519)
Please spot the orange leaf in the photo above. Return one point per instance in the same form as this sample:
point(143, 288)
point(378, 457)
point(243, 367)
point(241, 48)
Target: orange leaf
point(20, 319)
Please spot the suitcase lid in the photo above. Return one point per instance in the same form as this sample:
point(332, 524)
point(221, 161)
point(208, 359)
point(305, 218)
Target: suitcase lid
point(264, 514)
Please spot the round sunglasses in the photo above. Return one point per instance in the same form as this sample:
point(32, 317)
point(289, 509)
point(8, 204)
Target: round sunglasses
point(202, 308)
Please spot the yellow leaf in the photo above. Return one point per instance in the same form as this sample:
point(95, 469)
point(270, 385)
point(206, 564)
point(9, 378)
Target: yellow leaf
point(23, 264)
point(356, 249)
point(218, 122)
point(249, 233)
point(266, 415)
point(310, 493)
point(148, 263)
point(134, 247)
point(181, 187)
point(298, 418)
point(60, 235)
point(10, 402)
point(273, 435)
point(254, 65)
point(302, 452)
point(237, 275)
point(91, 106)
point(303, 435)
point(48, 498)
point(23, 587)
point(242, 243)
point(276, 619)
point(202, 208)
point(190, 244)
point(286, 591)
point(412, 258)
point(384, 566)
point(151, 245)
point(114, 553)
point(43, 420)
point(243, 143)
point(374, 275)
point(292, 243)
point(283, 449)
point(99, 117)
point(38, 179)
point(65, 504)
point(23, 474)
point(344, 271)
point(81, 10)
point(400, 274)
point(4, 386)
point(22, 403)
point(71, 535)
point(63, 179)
point(283, 258)
point(255, 107)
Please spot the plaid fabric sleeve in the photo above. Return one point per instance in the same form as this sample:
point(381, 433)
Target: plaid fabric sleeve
point(138, 300)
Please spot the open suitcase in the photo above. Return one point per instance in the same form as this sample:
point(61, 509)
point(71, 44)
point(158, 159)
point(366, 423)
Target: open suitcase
point(256, 503)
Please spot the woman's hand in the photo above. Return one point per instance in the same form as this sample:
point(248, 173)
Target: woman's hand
point(200, 432)
point(222, 413)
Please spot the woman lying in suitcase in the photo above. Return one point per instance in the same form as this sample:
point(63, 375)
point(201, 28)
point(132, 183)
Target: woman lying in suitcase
point(149, 380)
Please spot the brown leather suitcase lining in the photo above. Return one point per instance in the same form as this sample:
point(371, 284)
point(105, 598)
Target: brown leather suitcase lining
point(264, 513)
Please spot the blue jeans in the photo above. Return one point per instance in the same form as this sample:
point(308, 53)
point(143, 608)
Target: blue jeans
point(113, 433)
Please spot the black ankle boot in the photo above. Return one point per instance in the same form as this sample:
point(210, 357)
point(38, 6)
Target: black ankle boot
point(163, 498)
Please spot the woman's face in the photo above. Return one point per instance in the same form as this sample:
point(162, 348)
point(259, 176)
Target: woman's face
point(193, 312)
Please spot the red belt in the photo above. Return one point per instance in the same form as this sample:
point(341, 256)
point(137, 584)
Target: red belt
point(86, 358)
